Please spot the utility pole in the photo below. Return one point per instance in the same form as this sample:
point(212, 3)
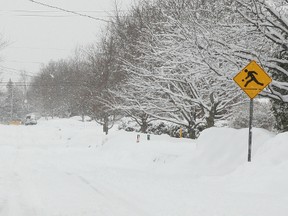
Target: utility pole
point(11, 105)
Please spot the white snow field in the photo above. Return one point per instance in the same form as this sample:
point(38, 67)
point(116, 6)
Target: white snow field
point(64, 167)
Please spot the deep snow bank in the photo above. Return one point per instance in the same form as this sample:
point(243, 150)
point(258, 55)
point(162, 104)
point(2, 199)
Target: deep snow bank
point(222, 150)
point(218, 151)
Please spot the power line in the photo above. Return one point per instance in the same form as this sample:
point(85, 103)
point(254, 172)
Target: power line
point(58, 84)
point(60, 16)
point(50, 11)
point(69, 11)
point(53, 16)
point(57, 14)
point(38, 48)
point(14, 70)
point(15, 61)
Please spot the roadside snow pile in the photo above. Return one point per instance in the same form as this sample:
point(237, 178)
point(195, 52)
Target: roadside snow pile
point(218, 151)
point(120, 149)
point(267, 174)
point(275, 151)
point(222, 150)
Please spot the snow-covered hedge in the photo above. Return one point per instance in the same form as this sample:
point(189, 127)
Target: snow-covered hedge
point(156, 127)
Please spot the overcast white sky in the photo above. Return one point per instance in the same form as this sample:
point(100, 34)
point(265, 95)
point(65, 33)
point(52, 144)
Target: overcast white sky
point(37, 34)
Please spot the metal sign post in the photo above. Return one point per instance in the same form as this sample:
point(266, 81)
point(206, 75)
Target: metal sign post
point(252, 80)
point(250, 130)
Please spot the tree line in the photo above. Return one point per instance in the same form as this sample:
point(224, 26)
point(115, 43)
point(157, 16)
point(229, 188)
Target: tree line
point(172, 61)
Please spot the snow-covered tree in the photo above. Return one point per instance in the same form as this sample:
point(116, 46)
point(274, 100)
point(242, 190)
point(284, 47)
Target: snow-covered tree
point(103, 76)
point(173, 75)
point(12, 105)
point(270, 20)
point(50, 90)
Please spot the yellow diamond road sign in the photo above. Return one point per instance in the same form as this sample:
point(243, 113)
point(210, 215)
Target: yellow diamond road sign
point(252, 79)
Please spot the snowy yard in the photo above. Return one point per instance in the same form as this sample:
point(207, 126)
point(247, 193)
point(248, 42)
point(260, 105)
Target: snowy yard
point(70, 168)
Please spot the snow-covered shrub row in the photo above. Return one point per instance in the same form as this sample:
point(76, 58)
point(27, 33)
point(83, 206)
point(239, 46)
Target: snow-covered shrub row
point(128, 124)
point(156, 127)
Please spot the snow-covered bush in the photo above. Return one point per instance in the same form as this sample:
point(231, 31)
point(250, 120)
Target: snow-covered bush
point(158, 127)
point(128, 124)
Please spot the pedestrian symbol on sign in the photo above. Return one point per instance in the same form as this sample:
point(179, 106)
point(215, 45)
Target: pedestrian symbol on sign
point(250, 74)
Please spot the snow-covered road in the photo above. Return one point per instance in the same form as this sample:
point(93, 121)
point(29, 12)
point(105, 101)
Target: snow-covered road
point(69, 168)
point(50, 179)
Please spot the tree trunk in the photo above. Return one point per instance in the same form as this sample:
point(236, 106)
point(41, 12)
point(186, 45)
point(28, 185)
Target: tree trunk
point(144, 126)
point(192, 133)
point(105, 125)
point(210, 121)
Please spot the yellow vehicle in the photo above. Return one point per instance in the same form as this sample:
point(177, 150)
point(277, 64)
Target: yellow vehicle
point(15, 122)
